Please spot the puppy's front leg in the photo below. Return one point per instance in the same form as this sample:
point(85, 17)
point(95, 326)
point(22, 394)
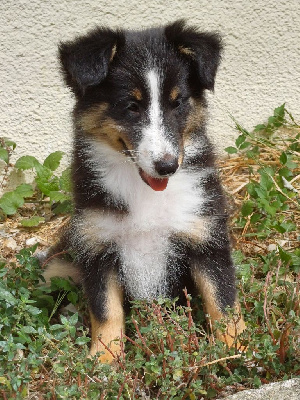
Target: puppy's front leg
point(107, 326)
point(214, 277)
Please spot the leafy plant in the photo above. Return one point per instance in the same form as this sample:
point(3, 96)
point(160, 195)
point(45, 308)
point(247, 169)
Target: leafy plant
point(273, 159)
point(25, 330)
point(47, 186)
point(165, 354)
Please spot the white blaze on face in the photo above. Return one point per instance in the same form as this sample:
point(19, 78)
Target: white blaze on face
point(155, 112)
point(154, 143)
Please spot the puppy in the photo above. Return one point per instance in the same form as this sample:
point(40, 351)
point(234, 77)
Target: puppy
point(149, 215)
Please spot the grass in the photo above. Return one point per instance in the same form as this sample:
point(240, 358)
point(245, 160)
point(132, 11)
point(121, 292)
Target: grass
point(168, 352)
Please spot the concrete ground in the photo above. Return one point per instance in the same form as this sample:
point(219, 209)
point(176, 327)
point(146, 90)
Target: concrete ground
point(286, 390)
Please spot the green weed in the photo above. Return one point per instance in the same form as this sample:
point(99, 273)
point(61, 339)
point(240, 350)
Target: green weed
point(165, 353)
point(47, 186)
point(273, 159)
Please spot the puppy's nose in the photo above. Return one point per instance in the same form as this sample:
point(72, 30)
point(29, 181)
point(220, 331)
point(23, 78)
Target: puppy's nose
point(167, 165)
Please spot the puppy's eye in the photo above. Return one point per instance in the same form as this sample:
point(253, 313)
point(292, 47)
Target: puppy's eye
point(177, 103)
point(133, 107)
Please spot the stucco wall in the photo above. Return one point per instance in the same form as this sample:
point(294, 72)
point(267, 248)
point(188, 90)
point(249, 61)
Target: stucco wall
point(260, 69)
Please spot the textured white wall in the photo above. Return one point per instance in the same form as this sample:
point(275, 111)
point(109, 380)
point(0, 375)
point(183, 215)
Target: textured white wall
point(260, 69)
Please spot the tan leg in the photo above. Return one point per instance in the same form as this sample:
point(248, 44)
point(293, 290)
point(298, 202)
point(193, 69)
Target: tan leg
point(235, 326)
point(109, 330)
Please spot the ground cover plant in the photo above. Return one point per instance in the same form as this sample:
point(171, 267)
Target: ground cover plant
point(47, 187)
point(168, 352)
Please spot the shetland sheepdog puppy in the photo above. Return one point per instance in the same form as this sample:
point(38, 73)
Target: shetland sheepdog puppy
point(149, 216)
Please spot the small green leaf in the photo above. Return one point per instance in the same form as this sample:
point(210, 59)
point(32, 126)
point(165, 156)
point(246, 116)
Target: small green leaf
point(211, 393)
point(82, 340)
point(28, 329)
point(256, 382)
point(46, 186)
point(245, 145)
point(280, 111)
point(289, 226)
point(73, 319)
point(255, 218)
point(261, 192)
point(284, 256)
point(58, 368)
point(259, 127)
point(4, 155)
point(61, 283)
point(33, 310)
point(240, 140)
point(265, 204)
point(251, 188)
point(24, 190)
point(287, 173)
point(53, 160)
point(231, 150)
point(295, 146)
point(253, 153)
point(64, 320)
point(66, 207)
point(247, 208)
point(10, 143)
point(7, 296)
point(10, 202)
point(291, 164)
point(72, 297)
point(283, 158)
point(57, 196)
point(65, 180)
point(279, 228)
point(265, 180)
point(272, 120)
point(43, 173)
point(26, 162)
point(55, 327)
point(31, 222)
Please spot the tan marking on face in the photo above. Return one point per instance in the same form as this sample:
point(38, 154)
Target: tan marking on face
point(97, 124)
point(196, 118)
point(180, 158)
point(137, 94)
point(113, 53)
point(110, 331)
point(174, 93)
point(186, 50)
point(91, 119)
point(208, 293)
point(181, 151)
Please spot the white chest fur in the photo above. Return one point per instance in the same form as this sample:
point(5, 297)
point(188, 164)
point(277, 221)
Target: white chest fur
point(142, 235)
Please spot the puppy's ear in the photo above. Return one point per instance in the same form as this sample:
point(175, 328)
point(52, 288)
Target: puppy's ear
point(85, 61)
point(201, 49)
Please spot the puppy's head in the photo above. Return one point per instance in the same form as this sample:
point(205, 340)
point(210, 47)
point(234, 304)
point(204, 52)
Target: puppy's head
point(139, 91)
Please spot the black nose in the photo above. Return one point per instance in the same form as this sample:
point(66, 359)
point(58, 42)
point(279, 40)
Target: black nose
point(167, 165)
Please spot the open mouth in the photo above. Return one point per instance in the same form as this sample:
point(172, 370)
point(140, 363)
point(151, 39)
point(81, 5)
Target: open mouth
point(157, 184)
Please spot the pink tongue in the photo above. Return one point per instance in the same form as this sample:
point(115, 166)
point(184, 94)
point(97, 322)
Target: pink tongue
point(156, 184)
